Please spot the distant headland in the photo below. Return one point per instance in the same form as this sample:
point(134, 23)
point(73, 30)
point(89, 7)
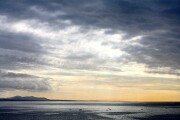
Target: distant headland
point(29, 98)
point(26, 98)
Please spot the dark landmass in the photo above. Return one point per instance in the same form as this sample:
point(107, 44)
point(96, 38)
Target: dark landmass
point(29, 98)
point(26, 98)
point(95, 102)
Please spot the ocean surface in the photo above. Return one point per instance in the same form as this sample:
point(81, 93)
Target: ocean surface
point(80, 110)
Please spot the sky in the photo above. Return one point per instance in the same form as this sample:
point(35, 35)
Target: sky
point(118, 50)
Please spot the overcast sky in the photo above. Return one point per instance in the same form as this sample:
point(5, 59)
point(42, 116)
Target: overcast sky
point(90, 49)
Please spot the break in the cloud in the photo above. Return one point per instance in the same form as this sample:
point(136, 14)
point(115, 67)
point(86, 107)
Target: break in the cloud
point(71, 40)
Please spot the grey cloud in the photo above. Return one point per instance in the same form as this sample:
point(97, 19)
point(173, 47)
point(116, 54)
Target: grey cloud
point(80, 56)
point(158, 50)
point(157, 20)
point(19, 49)
point(158, 72)
point(15, 75)
point(12, 59)
point(21, 81)
point(171, 72)
point(149, 18)
point(21, 42)
point(77, 65)
point(133, 17)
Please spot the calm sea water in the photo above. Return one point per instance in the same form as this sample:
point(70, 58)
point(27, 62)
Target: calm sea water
point(78, 110)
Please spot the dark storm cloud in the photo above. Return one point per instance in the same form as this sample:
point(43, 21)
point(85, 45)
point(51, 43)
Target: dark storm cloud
point(20, 42)
point(124, 15)
point(16, 62)
point(15, 59)
point(158, 50)
point(133, 17)
point(21, 81)
point(158, 20)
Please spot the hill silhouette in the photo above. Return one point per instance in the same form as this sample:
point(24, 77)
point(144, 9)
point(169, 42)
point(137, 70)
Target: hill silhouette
point(25, 98)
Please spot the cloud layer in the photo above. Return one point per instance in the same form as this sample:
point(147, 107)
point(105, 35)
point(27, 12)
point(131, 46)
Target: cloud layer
point(54, 39)
point(19, 81)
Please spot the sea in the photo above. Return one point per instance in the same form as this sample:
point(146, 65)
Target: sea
point(88, 110)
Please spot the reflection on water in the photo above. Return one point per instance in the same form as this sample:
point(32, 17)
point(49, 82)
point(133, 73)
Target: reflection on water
point(78, 110)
